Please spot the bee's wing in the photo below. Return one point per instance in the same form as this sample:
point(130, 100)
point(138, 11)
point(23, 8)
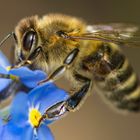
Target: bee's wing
point(122, 34)
point(117, 27)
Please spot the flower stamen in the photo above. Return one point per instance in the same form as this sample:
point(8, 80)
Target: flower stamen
point(13, 77)
point(35, 117)
point(8, 68)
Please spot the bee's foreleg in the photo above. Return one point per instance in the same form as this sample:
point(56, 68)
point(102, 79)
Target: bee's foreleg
point(30, 58)
point(60, 70)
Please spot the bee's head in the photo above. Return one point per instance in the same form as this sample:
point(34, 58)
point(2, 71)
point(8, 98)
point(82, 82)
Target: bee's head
point(26, 38)
point(46, 35)
point(30, 35)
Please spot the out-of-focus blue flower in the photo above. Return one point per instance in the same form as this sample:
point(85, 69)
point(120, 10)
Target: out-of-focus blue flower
point(3, 64)
point(20, 75)
point(27, 109)
point(28, 77)
point(1, 125)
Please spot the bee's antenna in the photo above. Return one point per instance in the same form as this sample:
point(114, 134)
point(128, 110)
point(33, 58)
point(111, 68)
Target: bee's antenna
point(6, 37)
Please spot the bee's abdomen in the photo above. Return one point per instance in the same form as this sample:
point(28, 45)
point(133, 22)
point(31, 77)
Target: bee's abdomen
point(120, 85)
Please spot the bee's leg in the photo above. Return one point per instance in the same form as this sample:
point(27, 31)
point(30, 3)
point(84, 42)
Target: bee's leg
point(60, 109)
point(79, 96)
point(30, 58)
point(60, 70)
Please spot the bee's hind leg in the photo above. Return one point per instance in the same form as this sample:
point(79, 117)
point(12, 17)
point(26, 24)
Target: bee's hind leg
point(77, 98)
point(60, 109)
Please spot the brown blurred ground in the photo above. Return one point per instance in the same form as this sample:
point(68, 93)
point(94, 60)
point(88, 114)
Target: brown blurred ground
point(94, 121)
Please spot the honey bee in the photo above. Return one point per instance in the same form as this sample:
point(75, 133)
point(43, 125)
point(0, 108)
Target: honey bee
point(89, 56)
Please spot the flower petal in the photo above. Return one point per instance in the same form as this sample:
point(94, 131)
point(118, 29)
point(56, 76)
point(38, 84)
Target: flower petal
point(4, 83)
point(28, 77)
point(19, 109)
point(1, 127)
point(11, 132)
point(44, 133)
point(28, 133)
point(3, 60)
point(1, 123)
point(3, 70)
point(3, 64)
point(47, 95)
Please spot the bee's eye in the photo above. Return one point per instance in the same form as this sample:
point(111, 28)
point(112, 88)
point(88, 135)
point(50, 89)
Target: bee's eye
point(28, 40)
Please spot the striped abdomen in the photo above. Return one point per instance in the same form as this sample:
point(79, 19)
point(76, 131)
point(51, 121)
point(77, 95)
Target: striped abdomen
point(117, 80)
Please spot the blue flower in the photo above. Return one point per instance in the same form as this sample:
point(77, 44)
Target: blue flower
point(28, 77)
point(1, 126)
point(3, 64)
point(22, 75)
point(27, 109)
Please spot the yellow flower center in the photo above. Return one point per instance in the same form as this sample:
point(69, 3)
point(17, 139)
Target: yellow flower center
point(8, 68)
point(13, 77)
point(34, 117)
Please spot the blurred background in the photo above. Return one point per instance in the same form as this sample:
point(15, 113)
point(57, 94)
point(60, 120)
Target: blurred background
point(95, 120)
